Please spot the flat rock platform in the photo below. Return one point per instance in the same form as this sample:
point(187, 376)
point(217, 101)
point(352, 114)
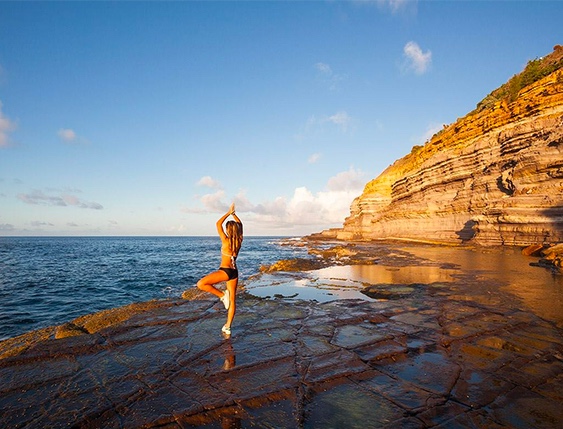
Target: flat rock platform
point(437, 357)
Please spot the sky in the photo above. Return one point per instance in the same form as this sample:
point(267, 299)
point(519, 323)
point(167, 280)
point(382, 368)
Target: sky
point(150, 118)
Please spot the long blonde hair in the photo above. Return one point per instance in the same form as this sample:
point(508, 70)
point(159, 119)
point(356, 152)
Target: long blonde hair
point(234, 236)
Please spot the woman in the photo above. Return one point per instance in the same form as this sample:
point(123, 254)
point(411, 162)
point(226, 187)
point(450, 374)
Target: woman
point(231, 240)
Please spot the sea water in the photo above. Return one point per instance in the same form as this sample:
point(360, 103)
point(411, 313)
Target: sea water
point(46, 281)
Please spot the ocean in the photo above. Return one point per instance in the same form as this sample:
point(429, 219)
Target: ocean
point(46, 281)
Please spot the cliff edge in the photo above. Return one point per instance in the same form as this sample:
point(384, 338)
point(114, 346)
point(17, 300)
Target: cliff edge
point(493, 177)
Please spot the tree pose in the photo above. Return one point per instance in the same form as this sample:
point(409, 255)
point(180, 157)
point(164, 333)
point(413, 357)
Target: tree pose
point(231, 240)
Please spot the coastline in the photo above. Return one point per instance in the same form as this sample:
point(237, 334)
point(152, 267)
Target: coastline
point(325, 252)
point(432, 354)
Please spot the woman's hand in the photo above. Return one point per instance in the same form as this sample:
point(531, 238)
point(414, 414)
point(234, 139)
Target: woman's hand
point(232, 208)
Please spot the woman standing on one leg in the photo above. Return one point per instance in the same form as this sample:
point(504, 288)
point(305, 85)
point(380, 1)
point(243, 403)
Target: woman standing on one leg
point(231, 240)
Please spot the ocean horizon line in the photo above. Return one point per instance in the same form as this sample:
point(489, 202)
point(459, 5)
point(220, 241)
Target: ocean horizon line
point(144, 236)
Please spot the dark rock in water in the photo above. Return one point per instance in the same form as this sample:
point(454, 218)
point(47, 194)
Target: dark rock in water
point(389, 291)
point(297, 264)
point(533, 250)
point(553, 256)
point(69, 330)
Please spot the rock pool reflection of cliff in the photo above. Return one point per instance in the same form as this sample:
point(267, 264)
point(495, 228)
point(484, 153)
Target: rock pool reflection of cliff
point(500, 275)
point(534, 288)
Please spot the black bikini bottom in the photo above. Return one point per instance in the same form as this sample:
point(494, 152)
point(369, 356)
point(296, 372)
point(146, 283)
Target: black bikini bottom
point(232, 273)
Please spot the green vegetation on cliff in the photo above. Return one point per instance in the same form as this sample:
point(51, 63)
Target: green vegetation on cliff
point(535, 70)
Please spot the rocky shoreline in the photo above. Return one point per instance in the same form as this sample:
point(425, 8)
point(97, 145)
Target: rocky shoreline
point(461, 353)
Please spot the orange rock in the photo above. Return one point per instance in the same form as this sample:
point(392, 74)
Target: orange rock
point(494, 177)
point(532, 250)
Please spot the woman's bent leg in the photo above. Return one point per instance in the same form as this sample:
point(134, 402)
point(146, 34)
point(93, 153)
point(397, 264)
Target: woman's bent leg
point(207, 283)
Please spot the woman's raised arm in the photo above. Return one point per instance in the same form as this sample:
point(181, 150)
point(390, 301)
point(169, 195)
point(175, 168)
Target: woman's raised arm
point(222, 219)
point(235, 217)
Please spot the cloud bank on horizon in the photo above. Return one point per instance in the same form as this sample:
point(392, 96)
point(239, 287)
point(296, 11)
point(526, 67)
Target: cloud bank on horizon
point(303, 208)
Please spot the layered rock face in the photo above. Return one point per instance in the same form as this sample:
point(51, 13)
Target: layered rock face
point(493, 177)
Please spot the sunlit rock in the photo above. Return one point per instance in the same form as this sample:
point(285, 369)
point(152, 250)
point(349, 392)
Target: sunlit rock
point(493, 177)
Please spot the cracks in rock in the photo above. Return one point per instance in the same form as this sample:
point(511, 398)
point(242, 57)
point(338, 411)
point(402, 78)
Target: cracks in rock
point(292, 339)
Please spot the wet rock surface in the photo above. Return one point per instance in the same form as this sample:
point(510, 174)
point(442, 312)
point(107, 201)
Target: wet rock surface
point(456, 350)
point(434, 360)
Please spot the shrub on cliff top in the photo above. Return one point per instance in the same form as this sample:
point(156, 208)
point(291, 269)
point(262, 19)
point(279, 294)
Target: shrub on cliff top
point(535, 70)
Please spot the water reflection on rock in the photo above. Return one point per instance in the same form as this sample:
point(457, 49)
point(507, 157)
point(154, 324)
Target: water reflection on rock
point(393, 271)
point(373, 274)
point(508, 270)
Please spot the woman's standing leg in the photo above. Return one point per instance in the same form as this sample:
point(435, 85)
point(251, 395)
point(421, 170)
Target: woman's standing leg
point(232, 288)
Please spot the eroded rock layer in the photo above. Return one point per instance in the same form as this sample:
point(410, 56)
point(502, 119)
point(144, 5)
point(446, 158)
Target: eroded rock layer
point(493, 177)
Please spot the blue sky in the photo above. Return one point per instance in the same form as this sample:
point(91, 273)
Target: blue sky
point(149, 118)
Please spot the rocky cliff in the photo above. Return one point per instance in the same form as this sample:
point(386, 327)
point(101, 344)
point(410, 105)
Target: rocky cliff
point(493, 177)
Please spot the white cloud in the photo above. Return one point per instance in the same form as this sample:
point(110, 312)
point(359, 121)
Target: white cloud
point(242, 202)
point(417, 60)
point(398, 6)
point(341, 119)
point(209, 182)
point(328, 77)
point(67, 134)
point(350, 180)
point(37, 197)
point(310, 127)
point(327, 207)
point(323, 68)
point(393, 6)
point(315, 124)
point(214, 202)
point(177, 229)
point(6, 125)
point(314, 158)
point(39, 224)
point(320, 210)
